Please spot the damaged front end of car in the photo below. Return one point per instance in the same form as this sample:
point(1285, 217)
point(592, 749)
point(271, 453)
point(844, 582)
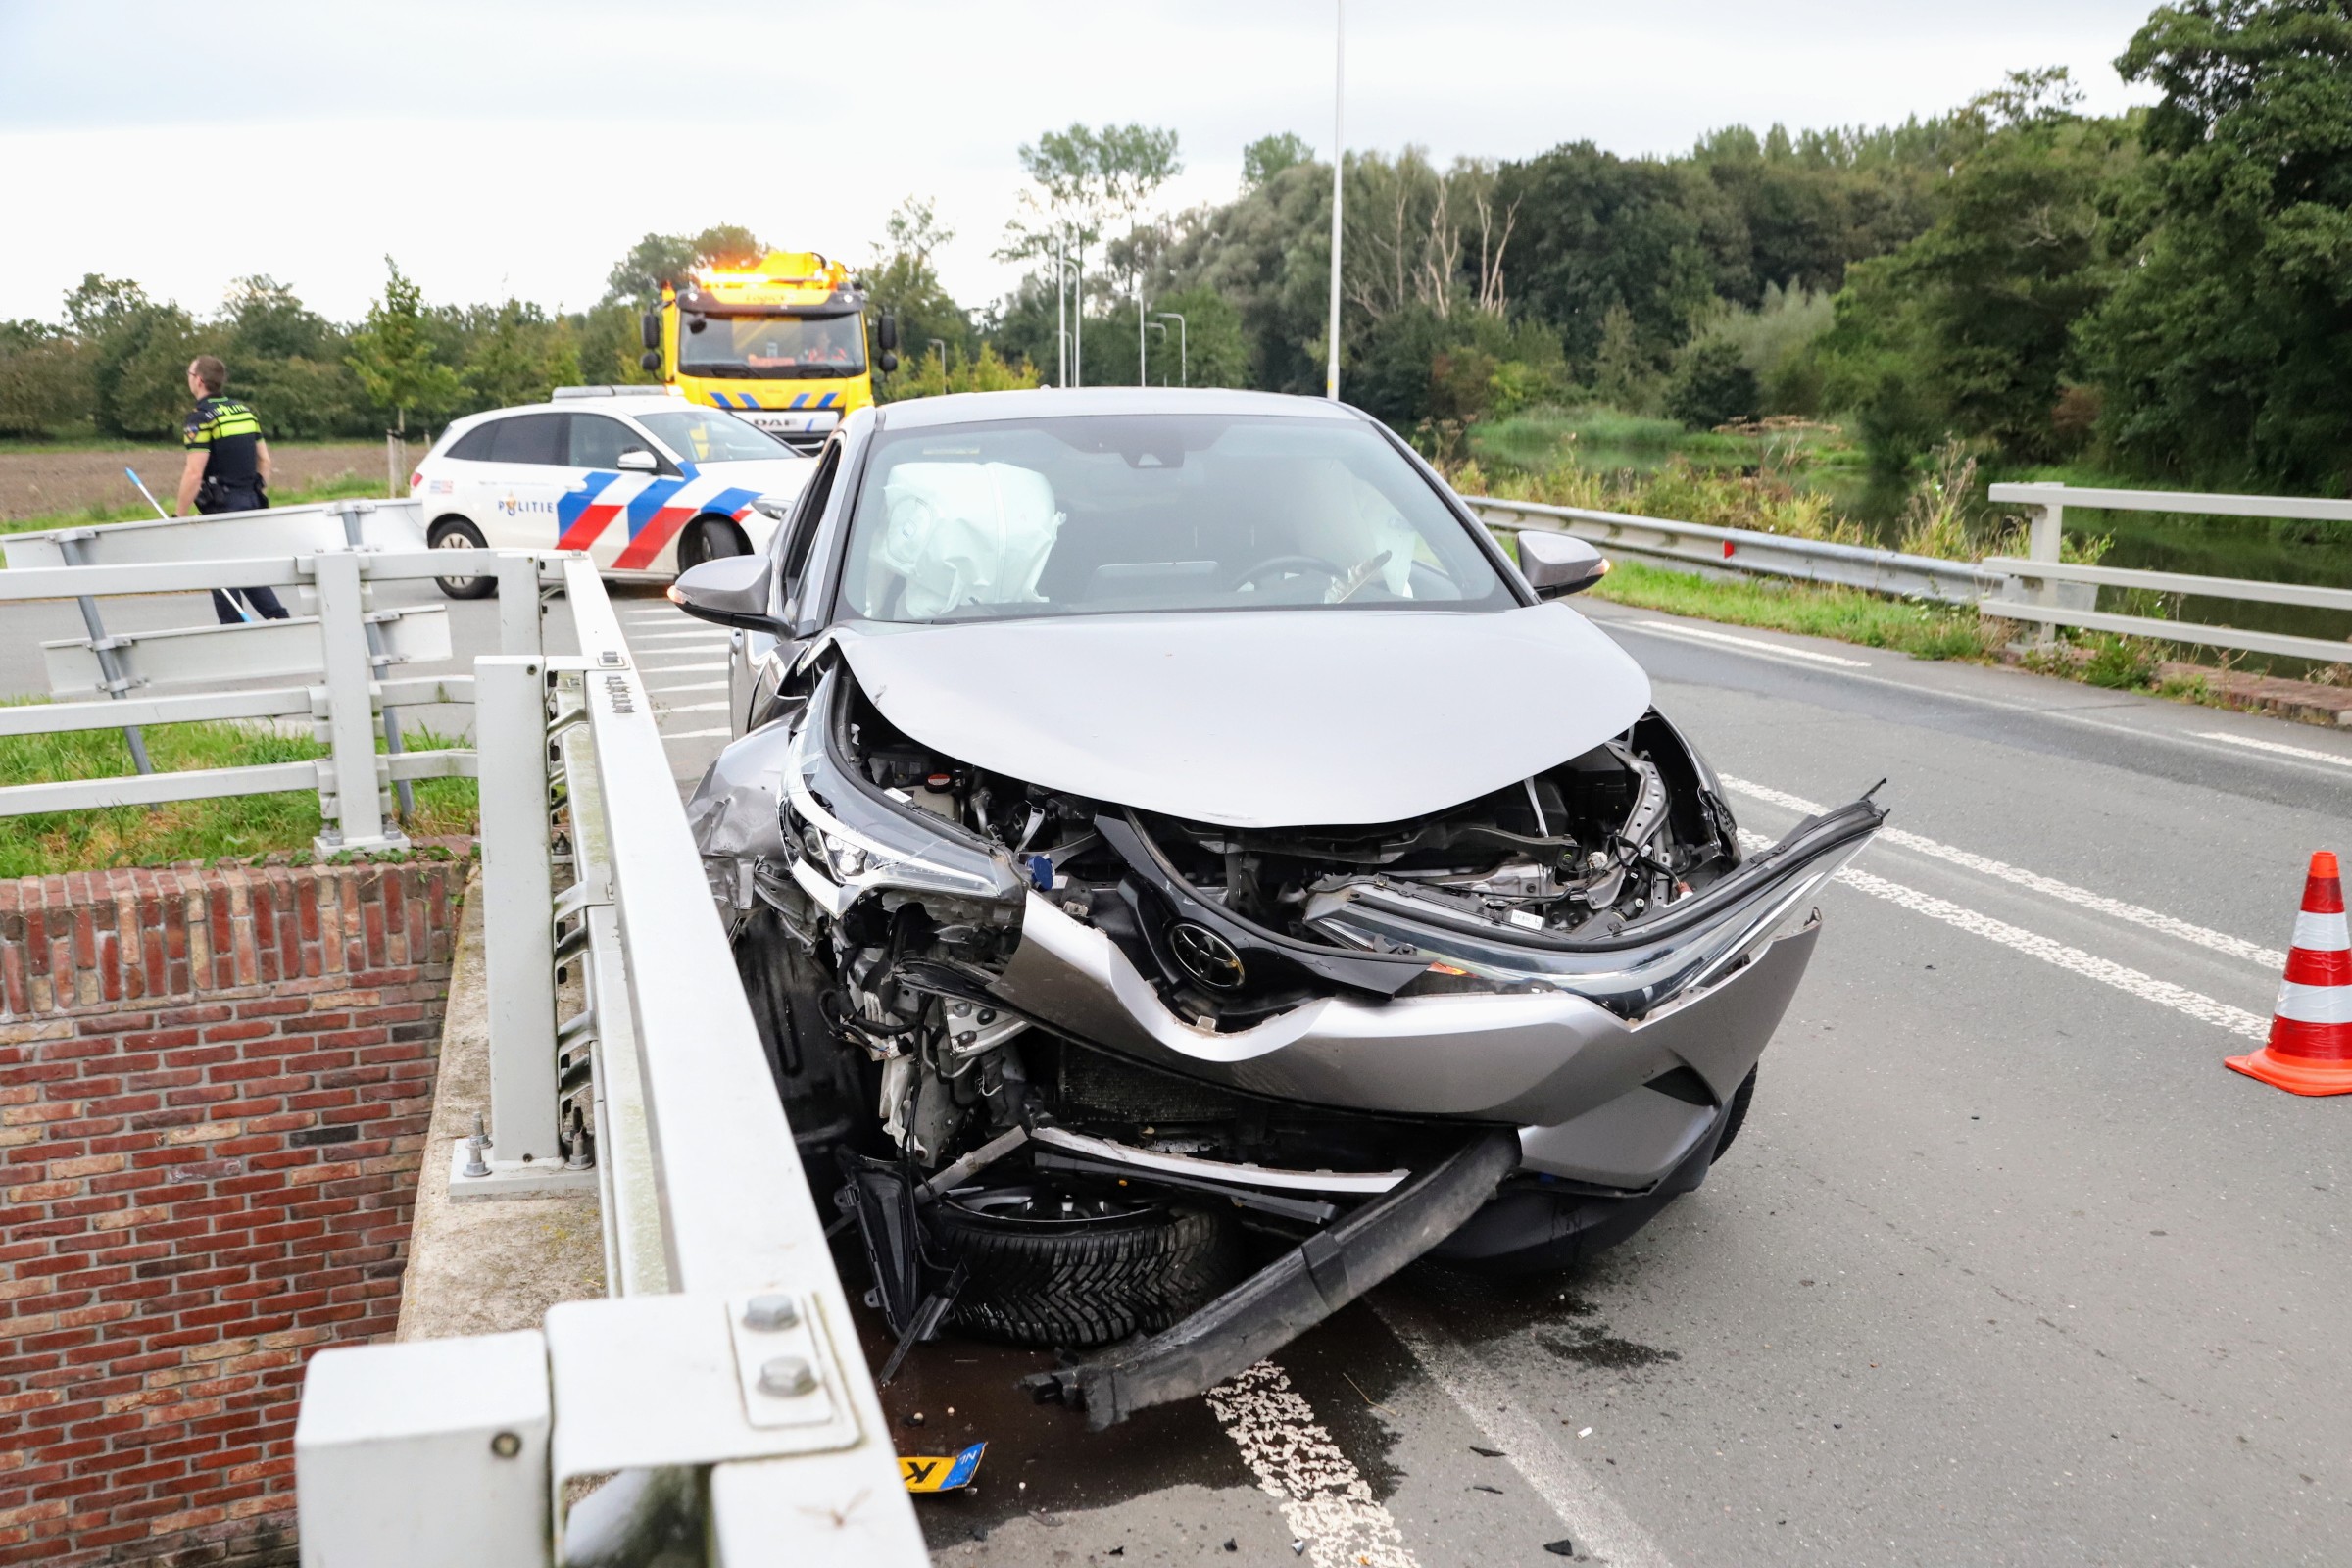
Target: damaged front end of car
point(1081, 1066)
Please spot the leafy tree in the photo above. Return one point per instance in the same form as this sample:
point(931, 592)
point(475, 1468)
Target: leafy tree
point(266, 322)
point(1624, 373)
point(658, 259)
point(609, 346)
point(1710, 386)
point(518, 355)
point(1213, 349)
point(1269, 155)
point(44, 379)
point(1602, 234)
point(392, 354)
point(902, 281)
point(2221, 351)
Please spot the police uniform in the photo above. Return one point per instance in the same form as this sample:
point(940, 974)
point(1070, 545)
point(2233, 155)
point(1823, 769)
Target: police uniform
point(229, 435)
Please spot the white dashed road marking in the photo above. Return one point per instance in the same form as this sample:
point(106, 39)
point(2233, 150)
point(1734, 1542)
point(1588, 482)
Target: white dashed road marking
point(693, 734)
point(1325, 1499)
point(677, 670)
point(690, 707)
point(2270, 959)
point(693, 686)
point(2337, 759)
point(1667, 629)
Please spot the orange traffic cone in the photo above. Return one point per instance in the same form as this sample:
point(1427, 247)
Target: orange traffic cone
point(2311, 1031)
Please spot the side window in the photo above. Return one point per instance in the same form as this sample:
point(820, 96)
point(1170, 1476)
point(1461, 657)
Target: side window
point(799, 534)
point(531, 438)
point(598, 441)
point(475, 444)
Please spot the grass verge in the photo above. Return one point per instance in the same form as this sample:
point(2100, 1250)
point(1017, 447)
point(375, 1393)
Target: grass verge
point(245, 826)
point(1813, 610)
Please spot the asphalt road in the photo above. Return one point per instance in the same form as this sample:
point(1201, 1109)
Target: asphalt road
point(2006, 1268)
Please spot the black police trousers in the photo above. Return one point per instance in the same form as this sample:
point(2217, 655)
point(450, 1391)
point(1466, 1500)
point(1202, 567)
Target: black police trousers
point(265, 602)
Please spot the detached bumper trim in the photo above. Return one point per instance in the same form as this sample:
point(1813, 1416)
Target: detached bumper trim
point(1291, 1294)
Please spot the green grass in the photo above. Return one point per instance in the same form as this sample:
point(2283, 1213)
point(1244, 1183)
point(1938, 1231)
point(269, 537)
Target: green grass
point(238, 826)
point(349, 487)
point(1812, 610)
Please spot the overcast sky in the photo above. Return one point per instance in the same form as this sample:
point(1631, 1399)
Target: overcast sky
point(519, 146)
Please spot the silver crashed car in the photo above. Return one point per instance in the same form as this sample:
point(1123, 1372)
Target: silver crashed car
point(1184, 870)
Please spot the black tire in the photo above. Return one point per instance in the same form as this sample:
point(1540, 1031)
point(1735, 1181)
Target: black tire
point(1066, 1285)
point(707, 539)
point(455, 533)
point(1738, 1115)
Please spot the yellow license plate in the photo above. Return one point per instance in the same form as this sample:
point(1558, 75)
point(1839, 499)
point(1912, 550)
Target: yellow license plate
point(944, 1474)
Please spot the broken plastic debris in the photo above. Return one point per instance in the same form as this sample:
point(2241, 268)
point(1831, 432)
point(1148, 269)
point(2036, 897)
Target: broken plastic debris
point(1297, 1548)
point(1585, 1432)
point(1486, 1453)
point(1562, 1547)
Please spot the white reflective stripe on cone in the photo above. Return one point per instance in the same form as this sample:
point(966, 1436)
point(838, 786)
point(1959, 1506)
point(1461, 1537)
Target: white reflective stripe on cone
point(2322, 933)
point(2315, 1003)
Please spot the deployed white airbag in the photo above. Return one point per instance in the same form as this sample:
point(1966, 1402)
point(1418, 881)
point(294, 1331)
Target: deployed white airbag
point(966, 533)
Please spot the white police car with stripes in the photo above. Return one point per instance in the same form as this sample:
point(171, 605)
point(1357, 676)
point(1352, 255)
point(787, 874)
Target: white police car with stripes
point(647, 483)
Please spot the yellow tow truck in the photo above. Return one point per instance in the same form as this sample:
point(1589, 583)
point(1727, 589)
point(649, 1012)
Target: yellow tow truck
point(780, 343)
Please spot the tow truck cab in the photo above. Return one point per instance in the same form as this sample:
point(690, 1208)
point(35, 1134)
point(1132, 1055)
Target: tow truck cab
point(780, 343)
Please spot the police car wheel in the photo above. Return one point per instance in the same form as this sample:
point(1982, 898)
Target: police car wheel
point(707, 539)
point(455, 533)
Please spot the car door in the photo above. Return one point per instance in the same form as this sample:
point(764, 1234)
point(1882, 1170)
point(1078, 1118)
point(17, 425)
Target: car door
point(756, 660)
point(598, 510)
point(519, 488)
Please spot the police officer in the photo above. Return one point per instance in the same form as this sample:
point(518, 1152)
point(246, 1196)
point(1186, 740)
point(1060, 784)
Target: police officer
point(228, 470)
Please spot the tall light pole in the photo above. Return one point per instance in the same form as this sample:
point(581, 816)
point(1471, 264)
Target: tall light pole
point(1078, 318)
point(1062, 307)
point(1339, 161)
point(1184, 352)
point(1163, 330)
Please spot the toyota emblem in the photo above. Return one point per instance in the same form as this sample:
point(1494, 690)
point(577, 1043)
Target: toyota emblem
point(1206, 957)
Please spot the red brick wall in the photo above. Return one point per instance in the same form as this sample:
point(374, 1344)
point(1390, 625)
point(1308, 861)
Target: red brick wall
point(214, 1089)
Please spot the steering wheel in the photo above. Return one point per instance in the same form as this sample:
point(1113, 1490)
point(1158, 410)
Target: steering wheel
point(1292, 563)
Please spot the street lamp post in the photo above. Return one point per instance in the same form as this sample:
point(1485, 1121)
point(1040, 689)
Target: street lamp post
point(940, 344)
point(1184, 369)
point(1339, 161)
point(1163, 330)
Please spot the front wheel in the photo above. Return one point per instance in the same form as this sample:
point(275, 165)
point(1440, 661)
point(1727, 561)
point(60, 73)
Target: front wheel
point(455, 533)
point(707, 539)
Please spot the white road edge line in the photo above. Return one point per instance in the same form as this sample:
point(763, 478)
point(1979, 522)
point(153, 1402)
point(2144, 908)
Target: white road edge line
point(1667, 629)
point(677, 670)
point(691, 686)
point(1600, 1528)
point(2179, 999)
point(688, 708)
point(2274, 746)
point(2271, 959)
point(693, 734)
point(1325, 1499)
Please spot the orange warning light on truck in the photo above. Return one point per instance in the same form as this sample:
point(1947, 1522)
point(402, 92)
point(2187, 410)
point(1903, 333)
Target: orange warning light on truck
point(780, 342)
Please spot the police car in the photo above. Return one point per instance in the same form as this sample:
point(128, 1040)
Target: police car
point(646, 483)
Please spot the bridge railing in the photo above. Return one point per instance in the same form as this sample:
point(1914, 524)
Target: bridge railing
point(2044, 590)
point(339, 667)
point(720, 1387)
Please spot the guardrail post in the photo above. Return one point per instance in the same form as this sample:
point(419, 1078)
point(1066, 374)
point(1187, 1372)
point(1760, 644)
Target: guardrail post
point(518, 934)
point(359, 813)
point(2047, 526)
point(74, 547)
point(350, 512)
point(520, 614)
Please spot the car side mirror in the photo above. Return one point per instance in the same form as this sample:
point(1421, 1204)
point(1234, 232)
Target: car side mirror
point(1557, 565)
point(637, 461)
point(650, 360)
point(731, 590)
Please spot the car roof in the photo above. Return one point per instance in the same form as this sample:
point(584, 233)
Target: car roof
point(1046, 403)
point(630, 403)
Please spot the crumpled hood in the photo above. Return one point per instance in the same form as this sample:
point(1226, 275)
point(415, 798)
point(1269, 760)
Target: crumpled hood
point(1260, 718)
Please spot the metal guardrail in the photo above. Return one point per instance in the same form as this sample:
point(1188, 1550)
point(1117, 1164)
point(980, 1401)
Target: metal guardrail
point(1700, 547)
point(722, 1385)
point(344, 654)
point(2041, 589)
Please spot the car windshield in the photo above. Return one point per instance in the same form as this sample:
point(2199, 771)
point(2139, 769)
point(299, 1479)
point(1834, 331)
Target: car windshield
point(706, 435)
point(771, 348)
point(1096, 513)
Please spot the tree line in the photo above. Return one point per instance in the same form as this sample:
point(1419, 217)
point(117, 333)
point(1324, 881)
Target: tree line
point(2166, 292)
